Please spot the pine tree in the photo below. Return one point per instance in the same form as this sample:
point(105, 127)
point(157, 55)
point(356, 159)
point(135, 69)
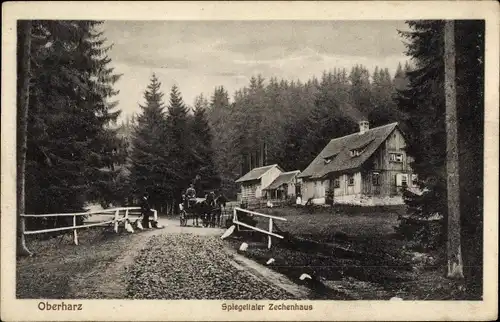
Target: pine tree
point(424, 106)
point(226, 157)
point(332, 117)
point(181, 147)
point(360, 90)
point(71, 144)
point(202, 138)
point(383, 109)
point(400, 80)
point(399, 71)
point(23, 92)
point(150, 152)
point(454, 247)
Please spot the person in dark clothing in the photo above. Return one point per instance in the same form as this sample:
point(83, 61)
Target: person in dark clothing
point(221, 199)
point(145, 210)
point(198, 186)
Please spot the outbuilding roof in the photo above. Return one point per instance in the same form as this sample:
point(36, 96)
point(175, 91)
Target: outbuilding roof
point(347, 152)
point(257, 173)
point(285, 177)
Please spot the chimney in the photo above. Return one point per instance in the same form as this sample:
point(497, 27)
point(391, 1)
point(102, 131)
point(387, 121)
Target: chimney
point(363, 127)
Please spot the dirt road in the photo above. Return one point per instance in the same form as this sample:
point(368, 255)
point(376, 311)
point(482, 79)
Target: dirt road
point(170, 263)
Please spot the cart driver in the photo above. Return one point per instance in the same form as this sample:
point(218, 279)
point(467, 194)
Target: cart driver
point(191, 195)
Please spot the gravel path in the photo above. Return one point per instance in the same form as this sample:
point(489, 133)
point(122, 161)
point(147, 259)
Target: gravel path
point(191, 266)
point(169, 263)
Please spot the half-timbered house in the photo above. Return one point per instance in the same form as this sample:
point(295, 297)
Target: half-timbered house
point(369, 167)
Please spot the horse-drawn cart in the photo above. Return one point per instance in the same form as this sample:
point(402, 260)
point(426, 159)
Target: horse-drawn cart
point(207, 210)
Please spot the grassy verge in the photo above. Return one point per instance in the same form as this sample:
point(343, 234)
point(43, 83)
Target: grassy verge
point(354, 251)
point(57, 262)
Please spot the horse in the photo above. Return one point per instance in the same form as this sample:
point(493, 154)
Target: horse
point(195, 208)
point(220, 203)
point(208, 209)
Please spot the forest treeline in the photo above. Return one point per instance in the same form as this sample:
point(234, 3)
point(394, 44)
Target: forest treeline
point(268, 121)
point(76, 153)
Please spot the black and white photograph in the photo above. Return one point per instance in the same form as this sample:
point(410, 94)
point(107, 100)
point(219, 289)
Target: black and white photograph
point(266, 164)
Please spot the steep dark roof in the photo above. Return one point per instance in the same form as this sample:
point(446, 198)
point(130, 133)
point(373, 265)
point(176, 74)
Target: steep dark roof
point(336, 156)
point(283, 178)
point(257, 173)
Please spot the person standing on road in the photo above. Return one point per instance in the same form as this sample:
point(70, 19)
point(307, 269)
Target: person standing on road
point(145, 210)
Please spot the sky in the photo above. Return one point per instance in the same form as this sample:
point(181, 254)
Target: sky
point(197, 56)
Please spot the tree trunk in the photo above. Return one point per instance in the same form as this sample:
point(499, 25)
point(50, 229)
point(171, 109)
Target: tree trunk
point(23, 80)
point(265, 154)
point(455, 265)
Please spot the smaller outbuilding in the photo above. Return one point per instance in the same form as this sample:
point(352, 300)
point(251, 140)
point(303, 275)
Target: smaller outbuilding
point(253, 182)
point(284, 186)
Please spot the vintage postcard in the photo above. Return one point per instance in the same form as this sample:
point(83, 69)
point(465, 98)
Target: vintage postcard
point(249, 161)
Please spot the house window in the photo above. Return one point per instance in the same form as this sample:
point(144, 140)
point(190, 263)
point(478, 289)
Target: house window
point(404, 180)
point(376, 178)
point(350, 180)
point(401, 179)
point(396, 157)
point(355, 153)
point(329, 158)
point(414, 180)
point(336, 183)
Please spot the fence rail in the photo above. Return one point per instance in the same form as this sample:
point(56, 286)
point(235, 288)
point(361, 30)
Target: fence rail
point(268, 232)
point(115, 212)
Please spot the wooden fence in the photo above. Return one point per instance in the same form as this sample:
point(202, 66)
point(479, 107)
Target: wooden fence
point(269, 232)
point(115, 212)
point(263, 203)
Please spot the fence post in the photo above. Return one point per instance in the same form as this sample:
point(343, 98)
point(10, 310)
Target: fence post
point(128, 226)
point(235, 218)
point(116, 220)
point(270, 230)
point(75, 235)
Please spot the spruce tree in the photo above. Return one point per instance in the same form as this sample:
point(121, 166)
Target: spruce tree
point(424, 107)
point(383, 109)
point(150, 153)
point(226, 157)
point(202, 139)
point(23, 94)
point(181, 147)
point(71, 143)
point(360, 89)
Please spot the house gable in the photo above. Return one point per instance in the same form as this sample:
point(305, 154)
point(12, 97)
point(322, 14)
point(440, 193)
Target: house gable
point(257, 173)
point(338, 155)
point(283, 178)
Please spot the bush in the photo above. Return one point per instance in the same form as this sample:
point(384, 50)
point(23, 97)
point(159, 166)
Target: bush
point(246, 218)
point(423, 225)
point(329, 198)
point(421, 234)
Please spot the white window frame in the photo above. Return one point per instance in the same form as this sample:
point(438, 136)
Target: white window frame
point(349, 180)
point(356, 152)
point(414, 180)
point(336, 183)
point(401, 178)
point(396, 157)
